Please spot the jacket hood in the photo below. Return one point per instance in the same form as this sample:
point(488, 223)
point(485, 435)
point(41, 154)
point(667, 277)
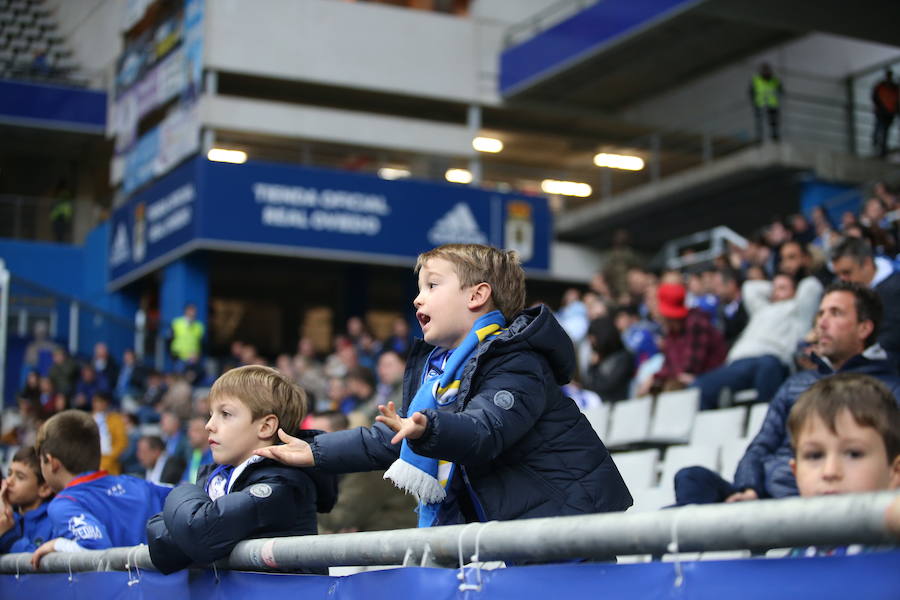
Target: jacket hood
point(872, 361)
point(538, 330)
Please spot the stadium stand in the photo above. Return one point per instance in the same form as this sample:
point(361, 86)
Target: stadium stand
point(323, 135)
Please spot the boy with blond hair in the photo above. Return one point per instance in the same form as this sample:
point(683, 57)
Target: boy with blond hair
point(24, 524)
point(92, 510)
point(485, 431)
point(241, 495)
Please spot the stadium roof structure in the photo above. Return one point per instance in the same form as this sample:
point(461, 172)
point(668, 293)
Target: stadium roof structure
point(611, 56)
point(618, 57)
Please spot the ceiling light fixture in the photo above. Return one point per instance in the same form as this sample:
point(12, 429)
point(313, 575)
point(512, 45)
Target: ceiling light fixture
point(619, 161)
point(237, 157)
point(486, 144)
point(566, 188)
point(458, 176)
point(393, 173)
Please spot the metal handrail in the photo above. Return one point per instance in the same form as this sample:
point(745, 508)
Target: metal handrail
point(717, 237)
point(759, 525)
point(82, 305)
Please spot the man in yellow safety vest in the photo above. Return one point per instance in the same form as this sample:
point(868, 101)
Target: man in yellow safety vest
point(765, 95)
point(187, 338)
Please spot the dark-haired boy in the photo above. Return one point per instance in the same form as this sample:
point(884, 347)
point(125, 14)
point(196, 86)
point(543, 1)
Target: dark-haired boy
point(92, 510)
point(24, 524)
point(845, 432)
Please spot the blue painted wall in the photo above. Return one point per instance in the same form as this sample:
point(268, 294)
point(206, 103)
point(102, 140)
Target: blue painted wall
point(52, 105)
point(57, 266)
point(835, 197)
point(70, 272)
point(185, 281)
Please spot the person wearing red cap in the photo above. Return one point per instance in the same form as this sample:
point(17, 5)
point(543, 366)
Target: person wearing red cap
point(692, 345)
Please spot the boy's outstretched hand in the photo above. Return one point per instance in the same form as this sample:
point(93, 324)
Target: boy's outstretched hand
point(295, 452)
point(411, 428)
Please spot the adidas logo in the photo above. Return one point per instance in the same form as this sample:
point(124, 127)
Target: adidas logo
point(119, 253)
point(457, 227)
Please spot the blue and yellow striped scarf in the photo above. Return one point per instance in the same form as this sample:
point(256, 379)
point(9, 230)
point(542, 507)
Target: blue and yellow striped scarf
point(426, 478)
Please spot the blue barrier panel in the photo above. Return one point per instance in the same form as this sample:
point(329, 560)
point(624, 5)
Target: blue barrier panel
point(93, 586)
point(250, 586)
point(579, 35)
point(52, 106)
point(874, 576)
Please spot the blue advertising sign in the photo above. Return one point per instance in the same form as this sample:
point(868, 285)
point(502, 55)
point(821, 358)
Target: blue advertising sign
point(153, 228)
point(279, 209)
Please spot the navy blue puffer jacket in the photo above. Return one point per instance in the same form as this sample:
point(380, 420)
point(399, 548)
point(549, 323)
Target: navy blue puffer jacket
point(267, 499)
point(523, 448)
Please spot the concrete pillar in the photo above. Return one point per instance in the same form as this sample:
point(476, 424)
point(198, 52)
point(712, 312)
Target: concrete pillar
point(474, 123)
point(185, 281)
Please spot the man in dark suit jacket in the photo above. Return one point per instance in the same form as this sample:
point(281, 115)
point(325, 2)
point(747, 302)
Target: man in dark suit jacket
point(160, 467)
point(732, 316)
point(131, 377)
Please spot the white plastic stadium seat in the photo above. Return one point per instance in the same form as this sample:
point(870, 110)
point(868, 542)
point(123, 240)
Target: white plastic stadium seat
point(731, 455)
point(598, 417)
point(673, 418)
point(747, 396)
point(757, 416)
point(638, 468)
point(678, 457)
point(718, 426)
point(630, 421)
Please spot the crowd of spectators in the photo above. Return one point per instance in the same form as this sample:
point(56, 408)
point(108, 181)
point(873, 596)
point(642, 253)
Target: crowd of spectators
point(741, 321)
point(152, 423)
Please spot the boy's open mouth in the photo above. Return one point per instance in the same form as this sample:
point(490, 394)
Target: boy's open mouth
point(423, 318)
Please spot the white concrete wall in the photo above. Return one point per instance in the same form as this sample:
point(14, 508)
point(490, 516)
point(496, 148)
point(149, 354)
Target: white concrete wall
point(507, 12)
point(814, 65)
point(573, 262)
point(361, 45)
point(333, 125)
point(368, 46)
